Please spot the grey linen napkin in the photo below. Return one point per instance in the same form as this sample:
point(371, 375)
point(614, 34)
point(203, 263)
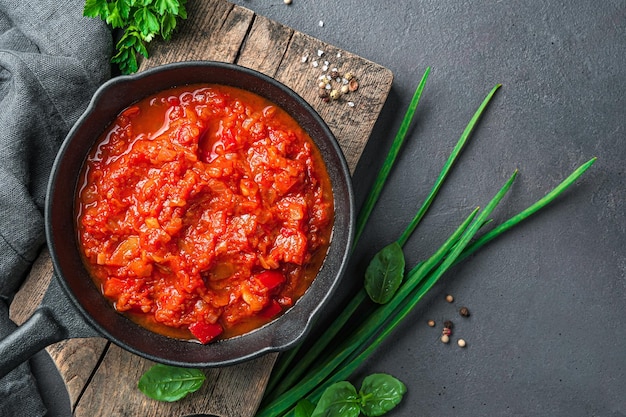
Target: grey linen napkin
point(51, 62)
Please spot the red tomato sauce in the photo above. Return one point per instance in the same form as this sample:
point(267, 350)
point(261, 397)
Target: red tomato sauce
point(204, 212)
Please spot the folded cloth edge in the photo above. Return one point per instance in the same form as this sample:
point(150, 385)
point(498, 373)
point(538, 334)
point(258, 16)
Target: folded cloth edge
point(51, 61)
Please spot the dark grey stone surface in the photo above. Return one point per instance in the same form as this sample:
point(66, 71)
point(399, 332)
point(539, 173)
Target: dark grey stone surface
point(546, 336)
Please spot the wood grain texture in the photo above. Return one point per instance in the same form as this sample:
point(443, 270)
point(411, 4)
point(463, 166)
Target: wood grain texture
point(102, 377)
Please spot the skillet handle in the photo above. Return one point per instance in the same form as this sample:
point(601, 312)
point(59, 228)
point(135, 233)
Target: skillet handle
point(39, 331)
point(55, 319)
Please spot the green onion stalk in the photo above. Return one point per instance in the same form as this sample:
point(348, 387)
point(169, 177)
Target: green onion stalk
point(305, 380)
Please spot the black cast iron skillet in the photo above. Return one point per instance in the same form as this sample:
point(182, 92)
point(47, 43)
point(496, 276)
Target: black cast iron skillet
point(74, 307)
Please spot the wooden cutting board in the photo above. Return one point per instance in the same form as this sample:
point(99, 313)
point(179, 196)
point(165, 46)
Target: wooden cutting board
point(101, 378)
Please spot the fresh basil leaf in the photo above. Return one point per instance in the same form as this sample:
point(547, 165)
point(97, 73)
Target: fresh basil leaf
point(338, 400)
point(384, 273)
point(380, 393)
point(170, 383)
point(304, 408)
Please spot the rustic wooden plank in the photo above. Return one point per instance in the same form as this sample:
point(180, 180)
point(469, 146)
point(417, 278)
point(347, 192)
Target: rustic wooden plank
point(226, 392)
point(220, 31)
point(214, 31)
point(33, 289)
point(265, 46)
point(77, 361)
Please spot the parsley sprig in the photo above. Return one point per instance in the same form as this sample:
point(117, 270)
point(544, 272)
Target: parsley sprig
point(141, 21)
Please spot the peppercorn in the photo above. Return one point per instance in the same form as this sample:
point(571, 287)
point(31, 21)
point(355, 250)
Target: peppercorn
point(334, 73)
point(449, 298)
point(335, 94)
point(461, 343)
point(353, 85)
point(464, 311)
point(448, 324)
point(431, 323)
point(445, 338)
point(322, 93)
point(348, 76)
point(345, 89)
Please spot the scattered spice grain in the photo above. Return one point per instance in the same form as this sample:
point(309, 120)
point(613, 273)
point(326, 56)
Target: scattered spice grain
point(332, 80)
point(449, 298)
point(445, 338)
point(323, 93)
point(464, 312)
point(461, 343)
point(431, 323)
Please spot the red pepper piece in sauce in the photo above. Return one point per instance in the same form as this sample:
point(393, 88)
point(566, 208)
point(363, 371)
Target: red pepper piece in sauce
point(205, 332)
point(270, 279)
point(272, 310)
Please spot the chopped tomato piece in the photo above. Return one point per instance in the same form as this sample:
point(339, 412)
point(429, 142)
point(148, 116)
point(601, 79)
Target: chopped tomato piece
point(114, 287)
point(205, 332)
